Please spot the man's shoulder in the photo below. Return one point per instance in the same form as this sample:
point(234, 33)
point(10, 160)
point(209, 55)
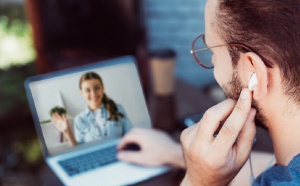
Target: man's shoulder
point(281, 175)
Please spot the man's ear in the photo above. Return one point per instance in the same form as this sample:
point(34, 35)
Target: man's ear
point(254, 64)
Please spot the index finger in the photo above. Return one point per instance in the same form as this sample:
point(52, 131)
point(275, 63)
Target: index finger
point(213, 117)
point(235, 122)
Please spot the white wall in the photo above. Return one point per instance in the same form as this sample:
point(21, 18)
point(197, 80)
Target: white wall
point(121, 83)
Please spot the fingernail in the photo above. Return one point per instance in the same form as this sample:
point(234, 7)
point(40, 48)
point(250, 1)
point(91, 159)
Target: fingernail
point(244, 94)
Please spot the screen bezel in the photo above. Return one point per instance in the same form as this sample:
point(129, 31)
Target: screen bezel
point(96, 65)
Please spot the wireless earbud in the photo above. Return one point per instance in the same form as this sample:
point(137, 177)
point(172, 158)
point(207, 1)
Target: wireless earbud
point(253, 81)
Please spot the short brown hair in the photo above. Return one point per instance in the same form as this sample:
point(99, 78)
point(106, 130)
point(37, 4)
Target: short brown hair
point(271, 28)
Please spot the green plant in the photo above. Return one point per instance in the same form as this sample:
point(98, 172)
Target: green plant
point(56, 109)
point(16, 46)
point(59, 110)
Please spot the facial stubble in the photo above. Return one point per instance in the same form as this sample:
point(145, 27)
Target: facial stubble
point(233, 90)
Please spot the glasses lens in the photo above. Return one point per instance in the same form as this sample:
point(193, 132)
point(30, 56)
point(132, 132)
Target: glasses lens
point(202, 54)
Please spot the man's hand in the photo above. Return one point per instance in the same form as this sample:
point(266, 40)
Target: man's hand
point(216, 160)
point(156, 148)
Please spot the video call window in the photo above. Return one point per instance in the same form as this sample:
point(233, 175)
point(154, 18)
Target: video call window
point(88, 106)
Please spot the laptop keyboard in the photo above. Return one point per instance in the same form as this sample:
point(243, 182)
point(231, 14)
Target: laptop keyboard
point(89, 161)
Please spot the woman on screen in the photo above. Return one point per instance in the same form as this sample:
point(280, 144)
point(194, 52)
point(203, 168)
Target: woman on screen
point(102, 119)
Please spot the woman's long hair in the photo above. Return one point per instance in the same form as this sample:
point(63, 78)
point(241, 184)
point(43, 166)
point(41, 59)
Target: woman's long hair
point(109, 104)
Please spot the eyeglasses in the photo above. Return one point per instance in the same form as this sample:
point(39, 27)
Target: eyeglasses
point(203, 54)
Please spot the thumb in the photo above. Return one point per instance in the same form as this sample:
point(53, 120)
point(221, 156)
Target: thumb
point(246, 137)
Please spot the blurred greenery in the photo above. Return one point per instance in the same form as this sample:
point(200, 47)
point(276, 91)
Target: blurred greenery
point(13, 11)
point(16, 43)
point(16, 57)
point(13, 96)
point(30, 150)
point(59, 110)
point(20, 153)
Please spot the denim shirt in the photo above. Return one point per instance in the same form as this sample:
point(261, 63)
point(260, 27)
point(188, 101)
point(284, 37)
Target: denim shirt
point(281, 175)
point(88, 128)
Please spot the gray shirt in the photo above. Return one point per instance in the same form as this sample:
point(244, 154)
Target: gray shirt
point(91, 125)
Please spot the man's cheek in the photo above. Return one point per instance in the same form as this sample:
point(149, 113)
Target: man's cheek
point(217, 75)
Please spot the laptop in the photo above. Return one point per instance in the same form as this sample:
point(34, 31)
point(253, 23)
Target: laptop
point(91, 161)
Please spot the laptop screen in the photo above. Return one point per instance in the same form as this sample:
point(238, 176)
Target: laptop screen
point(79, 106)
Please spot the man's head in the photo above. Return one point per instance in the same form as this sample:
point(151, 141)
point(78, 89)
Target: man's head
point(271, 29)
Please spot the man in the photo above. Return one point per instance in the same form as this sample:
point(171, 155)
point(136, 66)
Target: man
point(158, 148)
point(247, 37)
point(259, 37)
